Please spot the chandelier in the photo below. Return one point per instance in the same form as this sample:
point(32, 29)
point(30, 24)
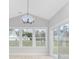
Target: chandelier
point(27, 19)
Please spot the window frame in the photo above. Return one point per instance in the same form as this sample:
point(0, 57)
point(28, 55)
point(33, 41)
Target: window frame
point(33, 37)
point(63, 41)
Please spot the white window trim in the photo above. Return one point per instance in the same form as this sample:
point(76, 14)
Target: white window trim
point(33, 39)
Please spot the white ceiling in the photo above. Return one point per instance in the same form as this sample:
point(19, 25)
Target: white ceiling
point(41, 8)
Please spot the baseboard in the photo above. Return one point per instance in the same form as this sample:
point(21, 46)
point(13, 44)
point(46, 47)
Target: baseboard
point(28, 54)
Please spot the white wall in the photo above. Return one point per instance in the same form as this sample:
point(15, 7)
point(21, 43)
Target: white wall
point(60, 16)
point(28, 51)
point(17, 22)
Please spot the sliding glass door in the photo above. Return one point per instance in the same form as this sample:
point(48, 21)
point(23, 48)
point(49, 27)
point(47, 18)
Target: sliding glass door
point(61, 41)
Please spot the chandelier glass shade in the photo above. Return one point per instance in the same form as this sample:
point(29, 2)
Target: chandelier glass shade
point(27, 18)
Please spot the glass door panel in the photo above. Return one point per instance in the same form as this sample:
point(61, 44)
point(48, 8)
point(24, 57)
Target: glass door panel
point(61, 41)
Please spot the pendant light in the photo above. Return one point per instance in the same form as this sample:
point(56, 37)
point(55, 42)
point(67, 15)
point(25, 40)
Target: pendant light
point(27, 19)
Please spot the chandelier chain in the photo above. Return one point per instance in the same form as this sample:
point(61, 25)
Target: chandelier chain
point(27, 7)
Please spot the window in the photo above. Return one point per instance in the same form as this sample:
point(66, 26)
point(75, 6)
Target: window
point(28, 37)
point(13, 37)
point(55, 35)
point(40, 35)
point(61, 39)
point(64, 37)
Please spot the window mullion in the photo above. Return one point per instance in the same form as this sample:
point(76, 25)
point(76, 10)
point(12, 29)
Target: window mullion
point(20, 40)
point(34, 39)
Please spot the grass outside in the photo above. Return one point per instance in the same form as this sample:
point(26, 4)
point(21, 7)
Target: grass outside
point(27, 42)
point(40, 43)
point(61, 48)
point(13, 43)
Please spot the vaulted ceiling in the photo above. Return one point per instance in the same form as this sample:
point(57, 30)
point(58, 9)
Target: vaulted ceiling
point(41, 8)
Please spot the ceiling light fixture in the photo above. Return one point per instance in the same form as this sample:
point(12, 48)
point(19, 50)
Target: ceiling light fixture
point(27, 18)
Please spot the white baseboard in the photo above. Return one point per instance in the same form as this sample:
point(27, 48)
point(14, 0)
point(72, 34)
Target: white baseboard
point(28, 54)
